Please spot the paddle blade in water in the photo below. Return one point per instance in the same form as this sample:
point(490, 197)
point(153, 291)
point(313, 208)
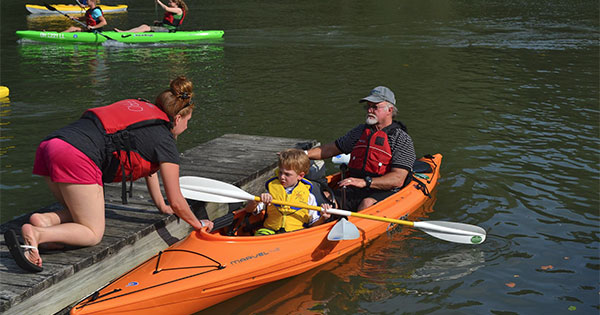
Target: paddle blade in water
point(453, 231)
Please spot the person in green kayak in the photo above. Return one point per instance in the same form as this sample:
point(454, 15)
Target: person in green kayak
point(382, 153)
point(120, 142)
point(174, 15)
point(93, 18)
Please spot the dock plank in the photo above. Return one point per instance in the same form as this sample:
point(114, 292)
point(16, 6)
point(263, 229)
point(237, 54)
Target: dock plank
point(135, 231)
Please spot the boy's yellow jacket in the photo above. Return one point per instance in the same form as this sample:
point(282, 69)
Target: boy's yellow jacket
point(289, 218)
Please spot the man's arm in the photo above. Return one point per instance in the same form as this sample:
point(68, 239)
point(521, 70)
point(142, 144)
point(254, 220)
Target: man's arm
point(323, 152)
point(394, 179)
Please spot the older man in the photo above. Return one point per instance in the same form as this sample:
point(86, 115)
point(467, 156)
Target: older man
point(382, 153)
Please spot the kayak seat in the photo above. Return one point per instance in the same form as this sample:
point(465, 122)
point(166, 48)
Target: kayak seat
point(244, 224)
point(422, 167)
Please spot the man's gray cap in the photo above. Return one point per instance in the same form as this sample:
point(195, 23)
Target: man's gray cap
point(380, 94)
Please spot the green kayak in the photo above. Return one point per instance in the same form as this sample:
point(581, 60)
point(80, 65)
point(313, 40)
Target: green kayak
point(123, 37)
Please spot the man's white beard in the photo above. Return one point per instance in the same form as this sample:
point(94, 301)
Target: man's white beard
point(371, 120)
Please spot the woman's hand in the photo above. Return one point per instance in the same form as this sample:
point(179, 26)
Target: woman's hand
point(209, 224)
point(166, 209)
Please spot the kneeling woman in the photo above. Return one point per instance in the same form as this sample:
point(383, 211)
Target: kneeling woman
point(174, 15)
point(122, 141)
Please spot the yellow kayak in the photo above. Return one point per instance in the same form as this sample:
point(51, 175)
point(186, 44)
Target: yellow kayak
point(3, 91)
point(72, 9)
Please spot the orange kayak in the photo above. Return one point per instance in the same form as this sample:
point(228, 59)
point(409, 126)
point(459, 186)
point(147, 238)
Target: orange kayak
point(204, 268)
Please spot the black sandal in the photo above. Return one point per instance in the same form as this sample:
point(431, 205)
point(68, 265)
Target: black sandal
point(18, 252)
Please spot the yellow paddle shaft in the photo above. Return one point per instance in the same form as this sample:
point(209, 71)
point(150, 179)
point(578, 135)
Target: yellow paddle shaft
point(340, 212)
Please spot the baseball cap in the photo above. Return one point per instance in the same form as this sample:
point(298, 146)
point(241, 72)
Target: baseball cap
point(380, 94)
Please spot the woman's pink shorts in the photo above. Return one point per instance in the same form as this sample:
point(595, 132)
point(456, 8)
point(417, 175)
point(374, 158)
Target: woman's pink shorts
point(63, 163)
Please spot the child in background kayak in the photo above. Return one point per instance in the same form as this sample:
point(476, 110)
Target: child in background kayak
point(174, 15)
point(93, 18)
point(82, 3)
point(288, 185)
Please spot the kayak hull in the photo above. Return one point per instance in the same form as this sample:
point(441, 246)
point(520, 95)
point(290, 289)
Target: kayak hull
point(72, 9)
point(123, 37)
point(204, 268)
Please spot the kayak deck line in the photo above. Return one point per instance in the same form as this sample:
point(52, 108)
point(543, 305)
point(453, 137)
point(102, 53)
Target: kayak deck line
point(96, 298)
point(137, 231)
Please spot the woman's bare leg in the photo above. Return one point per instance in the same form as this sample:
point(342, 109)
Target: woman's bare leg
point(86, 206)
point(52, 218)
point(72, 29)
point(140, 29)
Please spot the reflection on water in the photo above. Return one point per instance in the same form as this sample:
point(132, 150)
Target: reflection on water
point(451, 266)
point(5, 136)
point(91, 66)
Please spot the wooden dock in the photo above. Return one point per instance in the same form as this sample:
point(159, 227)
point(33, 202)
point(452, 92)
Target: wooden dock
point(136, 231)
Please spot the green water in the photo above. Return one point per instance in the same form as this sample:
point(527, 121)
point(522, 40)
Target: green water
point(507, 91)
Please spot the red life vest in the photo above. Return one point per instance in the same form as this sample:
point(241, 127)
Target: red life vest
point(118, 119)
point(169, 18)
point(88, 16)
point(372, 154)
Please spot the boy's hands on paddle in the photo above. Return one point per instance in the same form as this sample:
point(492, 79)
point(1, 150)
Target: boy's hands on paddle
point(266, 198)
point(324, 214)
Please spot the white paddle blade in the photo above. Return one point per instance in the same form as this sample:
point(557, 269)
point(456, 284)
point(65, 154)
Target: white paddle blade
point(202, 196)
point(203, 188)
point(452, 231)
point(206, 182)
point(343, 230)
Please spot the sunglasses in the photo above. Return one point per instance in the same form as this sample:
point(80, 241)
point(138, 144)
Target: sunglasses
point(373, 107)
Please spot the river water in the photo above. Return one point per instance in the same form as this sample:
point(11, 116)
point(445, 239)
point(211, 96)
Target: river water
point(507, 91)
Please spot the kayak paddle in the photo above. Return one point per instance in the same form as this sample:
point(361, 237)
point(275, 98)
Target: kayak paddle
point(51, 8)
point(343, 230)
point(210, 190)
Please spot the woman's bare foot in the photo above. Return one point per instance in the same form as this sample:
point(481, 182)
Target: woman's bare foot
point(40, 220)
point(29, 236)
point(117, 30)
point(45, 220)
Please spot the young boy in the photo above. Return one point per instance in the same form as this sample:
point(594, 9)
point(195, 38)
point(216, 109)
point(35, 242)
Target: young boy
point(288, 185)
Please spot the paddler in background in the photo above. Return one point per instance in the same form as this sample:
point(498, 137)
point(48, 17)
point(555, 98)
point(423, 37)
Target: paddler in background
point(175, 13)
point(84, 3)
point(120, 142)
point(382, 153)
point(93, 18)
